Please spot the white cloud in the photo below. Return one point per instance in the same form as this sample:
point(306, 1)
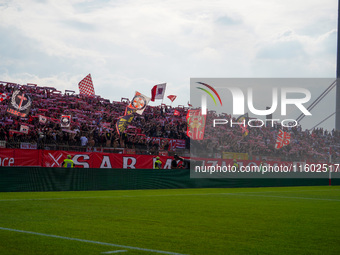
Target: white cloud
point(127, 44)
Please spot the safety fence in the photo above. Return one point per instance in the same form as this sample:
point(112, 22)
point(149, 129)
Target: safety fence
point(14, 179)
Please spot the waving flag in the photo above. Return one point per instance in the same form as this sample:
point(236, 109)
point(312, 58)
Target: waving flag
point(158, 91)
point(24, 129)
point(123, 122)
point(86, 86)
point(243, 119)
point(190, 105)
point(65, 121)
point(196, 124)
point(283, 139)
point(42, 119)
point(139, 102)
point(4, 96)
point(177, 113)
point(129, 110)
point(172, 97)
point(20, 104)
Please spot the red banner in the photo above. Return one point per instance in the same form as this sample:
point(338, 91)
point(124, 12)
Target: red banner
point(283, 139)
point(196, 124)
point(18, 157)
point(49, 158)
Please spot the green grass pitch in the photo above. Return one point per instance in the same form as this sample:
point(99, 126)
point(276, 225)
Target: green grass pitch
point(289, 220)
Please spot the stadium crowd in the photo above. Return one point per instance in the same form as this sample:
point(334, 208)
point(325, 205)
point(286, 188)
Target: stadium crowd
point(94, 119)
point(318, 144)
point(93, 122)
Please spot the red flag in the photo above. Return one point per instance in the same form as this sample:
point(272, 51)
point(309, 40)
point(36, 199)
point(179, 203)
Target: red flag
point(4, 96)
point(190, 105)
point(283, 138)
point(158, 91)
point(86, 86)
point(177, 113)
point(172, 97)
point(196, 124)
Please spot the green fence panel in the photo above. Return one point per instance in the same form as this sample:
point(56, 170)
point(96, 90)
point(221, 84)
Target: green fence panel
point(62, 179)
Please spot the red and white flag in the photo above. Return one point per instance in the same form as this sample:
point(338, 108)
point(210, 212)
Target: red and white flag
point(24, 129)
point(86, 86)
point(4, 96)
point(42, 119)
point(158, 91)
point(139, 103)
point(177, 113)
point(283, 139)
point(196, 124)
point(65, 120)
point(190, 105)
point(172, 97)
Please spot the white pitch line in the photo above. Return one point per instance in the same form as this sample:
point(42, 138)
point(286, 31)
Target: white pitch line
point(89, 241)
point(110, 252)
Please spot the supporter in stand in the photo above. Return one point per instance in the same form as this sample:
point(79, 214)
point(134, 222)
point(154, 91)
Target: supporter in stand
point(83, 140)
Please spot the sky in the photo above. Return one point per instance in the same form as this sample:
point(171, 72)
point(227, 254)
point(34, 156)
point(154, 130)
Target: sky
point(130, 45)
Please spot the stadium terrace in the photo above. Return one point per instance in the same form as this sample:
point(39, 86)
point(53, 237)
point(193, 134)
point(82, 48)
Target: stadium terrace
point(161, 129)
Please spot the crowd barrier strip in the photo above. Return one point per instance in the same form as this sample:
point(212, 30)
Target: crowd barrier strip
point(15, 179)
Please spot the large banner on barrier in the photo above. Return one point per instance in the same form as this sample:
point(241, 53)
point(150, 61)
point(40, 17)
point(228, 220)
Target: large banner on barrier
point(20, 157)
point(50, 158)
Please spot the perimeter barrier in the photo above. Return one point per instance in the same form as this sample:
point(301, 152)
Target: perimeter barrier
point(14, 179)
